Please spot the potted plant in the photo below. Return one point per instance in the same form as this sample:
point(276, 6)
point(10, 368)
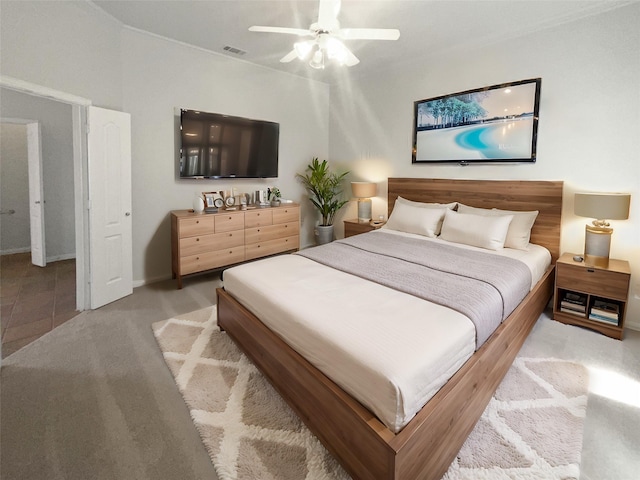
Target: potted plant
point(325, 192)
point(274, 195)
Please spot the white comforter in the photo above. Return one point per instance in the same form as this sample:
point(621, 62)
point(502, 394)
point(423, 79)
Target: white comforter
point(390, 350)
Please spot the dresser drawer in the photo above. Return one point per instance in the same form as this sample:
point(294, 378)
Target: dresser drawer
point(592, 280)
point(207, 243)
point(271, 232)
point(286, 215)
point(200, 225)
point(258, 218)
point(271, 247)
point(227, 222)
point(208, 260)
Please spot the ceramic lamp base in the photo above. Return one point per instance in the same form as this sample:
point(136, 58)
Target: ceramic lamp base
point(597, 244)
point(364, 209)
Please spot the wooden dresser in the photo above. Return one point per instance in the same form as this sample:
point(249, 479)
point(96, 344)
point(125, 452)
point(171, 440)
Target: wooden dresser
point(201, 242)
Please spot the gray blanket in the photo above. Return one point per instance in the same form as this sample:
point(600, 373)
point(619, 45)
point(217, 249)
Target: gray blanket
point(484, 287)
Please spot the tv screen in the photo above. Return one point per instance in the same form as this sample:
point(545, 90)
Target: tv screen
point(214, 145)
point(491, 124)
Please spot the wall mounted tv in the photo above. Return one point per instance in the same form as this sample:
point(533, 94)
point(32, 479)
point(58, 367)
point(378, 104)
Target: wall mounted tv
point(490, 124)
point(213, 145)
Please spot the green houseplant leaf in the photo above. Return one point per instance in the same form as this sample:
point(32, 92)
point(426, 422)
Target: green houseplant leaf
point(324, 187)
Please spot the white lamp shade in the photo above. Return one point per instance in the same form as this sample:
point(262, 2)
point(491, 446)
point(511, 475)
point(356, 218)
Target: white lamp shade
point(602, 206)
point(363, 189)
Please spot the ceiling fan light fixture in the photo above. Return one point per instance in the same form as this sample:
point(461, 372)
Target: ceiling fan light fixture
point(317, 61)
point(303, 49)
point(336, 50)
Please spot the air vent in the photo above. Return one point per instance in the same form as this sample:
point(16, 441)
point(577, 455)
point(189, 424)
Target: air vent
point(234, 50)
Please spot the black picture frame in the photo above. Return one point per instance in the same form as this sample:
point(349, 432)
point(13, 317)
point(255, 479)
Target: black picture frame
point(491, 124)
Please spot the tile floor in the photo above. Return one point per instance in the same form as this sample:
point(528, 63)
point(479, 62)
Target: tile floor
point(34, 300)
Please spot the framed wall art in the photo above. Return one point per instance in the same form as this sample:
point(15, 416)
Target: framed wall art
point(490, 124)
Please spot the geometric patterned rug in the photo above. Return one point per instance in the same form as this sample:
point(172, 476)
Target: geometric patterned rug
point(531, 429)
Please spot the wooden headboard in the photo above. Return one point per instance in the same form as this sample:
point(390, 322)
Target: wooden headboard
point(544, 196)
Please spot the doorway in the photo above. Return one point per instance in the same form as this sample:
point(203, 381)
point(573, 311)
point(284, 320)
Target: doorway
point(36, 297)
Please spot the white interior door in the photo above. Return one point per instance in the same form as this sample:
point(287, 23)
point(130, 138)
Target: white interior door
point(36, 195)
point(109, 172)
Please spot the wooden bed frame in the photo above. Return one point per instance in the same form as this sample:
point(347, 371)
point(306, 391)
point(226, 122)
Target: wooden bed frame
point(424, 448)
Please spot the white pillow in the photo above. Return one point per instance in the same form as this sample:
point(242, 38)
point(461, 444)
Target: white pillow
point(478, 230)
point(427, 205)
point(519, 232)
point(412, 219)
point(451, 205)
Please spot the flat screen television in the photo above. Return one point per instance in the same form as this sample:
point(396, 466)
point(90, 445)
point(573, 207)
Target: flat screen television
point(213, 145)
point(490, 124)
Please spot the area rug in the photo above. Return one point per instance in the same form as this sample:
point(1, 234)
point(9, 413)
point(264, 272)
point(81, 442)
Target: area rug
point(531, 429)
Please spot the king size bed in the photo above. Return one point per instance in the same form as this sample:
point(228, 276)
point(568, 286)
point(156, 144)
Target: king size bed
point(391, 378)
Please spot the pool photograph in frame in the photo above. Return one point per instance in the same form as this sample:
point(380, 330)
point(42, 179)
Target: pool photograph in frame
point(490, 124)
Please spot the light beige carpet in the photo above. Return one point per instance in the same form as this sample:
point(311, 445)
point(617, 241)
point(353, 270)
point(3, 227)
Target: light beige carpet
point(532, 428)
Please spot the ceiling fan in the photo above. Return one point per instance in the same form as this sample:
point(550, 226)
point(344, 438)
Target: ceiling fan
point(327, 38)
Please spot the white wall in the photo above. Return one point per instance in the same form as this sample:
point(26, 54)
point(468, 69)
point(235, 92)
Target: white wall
point(67, 46)
point(159, 76)
point(589, 120)
point(14, 189)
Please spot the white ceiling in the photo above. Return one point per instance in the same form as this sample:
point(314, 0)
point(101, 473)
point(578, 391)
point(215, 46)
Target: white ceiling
point(426, 26)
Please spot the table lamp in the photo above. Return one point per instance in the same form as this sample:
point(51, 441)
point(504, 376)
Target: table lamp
point(602, 207)
point(363, 191)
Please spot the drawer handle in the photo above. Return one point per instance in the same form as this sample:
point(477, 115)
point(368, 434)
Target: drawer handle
point(197, 221)
point(197, 258)
point(231, 234)
point(230, 218)
point(590, 270)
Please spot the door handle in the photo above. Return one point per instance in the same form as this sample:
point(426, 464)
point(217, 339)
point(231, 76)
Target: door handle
point(127, 214)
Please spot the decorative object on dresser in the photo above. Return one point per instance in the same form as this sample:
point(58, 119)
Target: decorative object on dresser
point(325, 192)
point(274, 195)
point(592, 296)
point(198, 203)
point(363, 191)
point(206, 242)
point(354, 226)
point(602, 207)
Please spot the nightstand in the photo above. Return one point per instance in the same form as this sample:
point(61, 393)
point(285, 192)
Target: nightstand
point(592, 297)
point(354, 227)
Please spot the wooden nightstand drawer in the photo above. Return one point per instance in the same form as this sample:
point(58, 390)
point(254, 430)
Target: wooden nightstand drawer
point(592, 297)
point(592, 280)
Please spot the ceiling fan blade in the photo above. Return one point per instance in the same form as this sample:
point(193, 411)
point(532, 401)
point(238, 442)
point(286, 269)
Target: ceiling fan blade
point(368, 33)
point(289, 57)
point(291, 31)
point(351, 59)
point(328, 14)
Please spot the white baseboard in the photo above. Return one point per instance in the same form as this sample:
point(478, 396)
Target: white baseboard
point(57, 258)
point(632, 326)
point(53, 258)
point(11, 251)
